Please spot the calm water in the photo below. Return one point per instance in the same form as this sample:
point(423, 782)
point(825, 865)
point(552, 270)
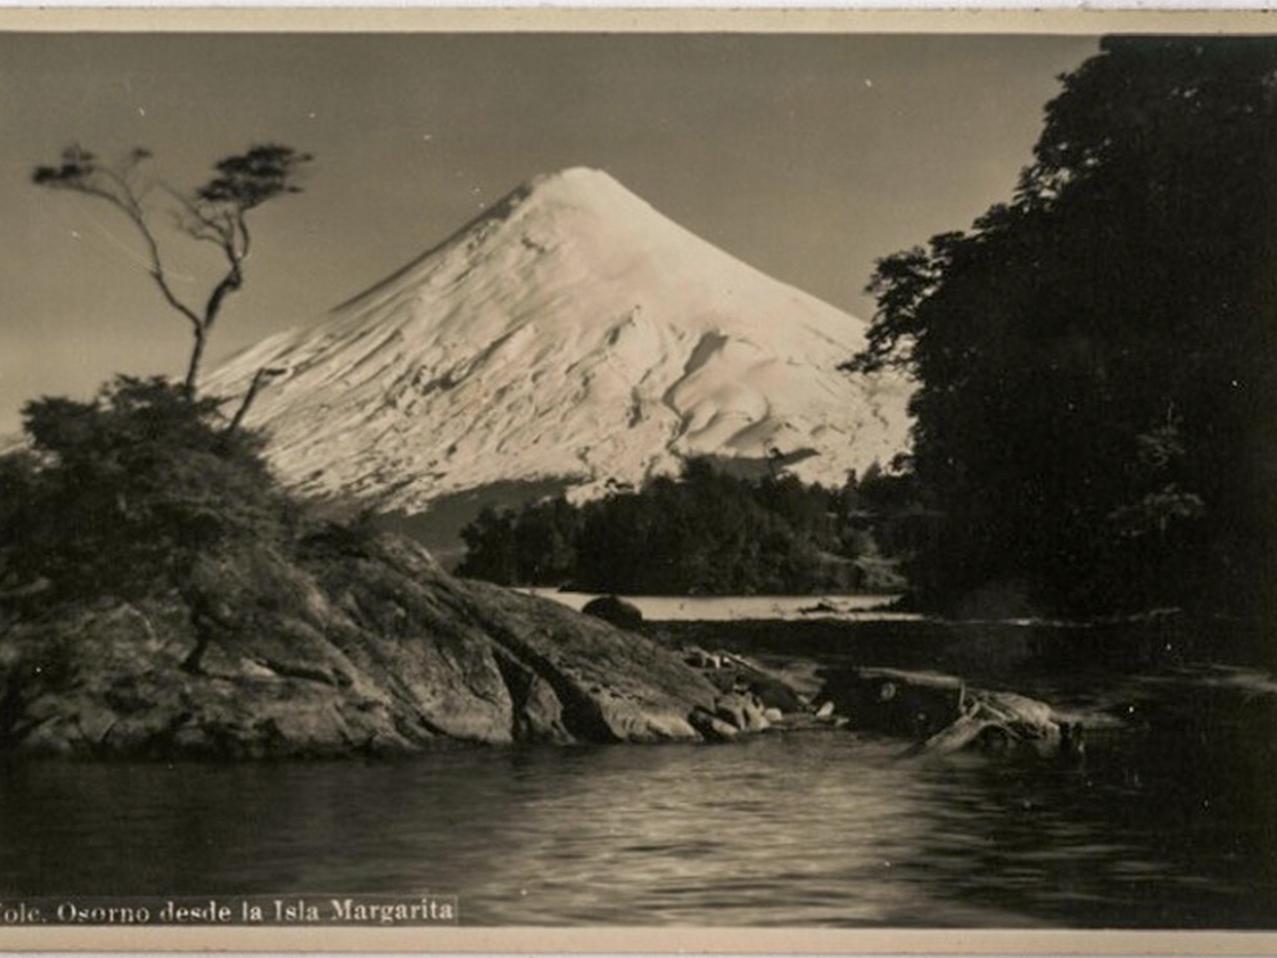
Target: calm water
point(816, 828)
point(718, 608)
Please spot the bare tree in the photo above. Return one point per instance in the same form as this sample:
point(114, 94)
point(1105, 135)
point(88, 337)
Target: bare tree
point(216, 213)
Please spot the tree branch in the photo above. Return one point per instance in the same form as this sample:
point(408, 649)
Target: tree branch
point(128, 205)
point(213, 213)
point(198, 224)
point(223, 229)
point(228, 284)
point(246, 239)
point(259, 380)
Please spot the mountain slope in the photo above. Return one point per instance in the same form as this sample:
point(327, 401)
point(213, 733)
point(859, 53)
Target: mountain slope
point(573, 332)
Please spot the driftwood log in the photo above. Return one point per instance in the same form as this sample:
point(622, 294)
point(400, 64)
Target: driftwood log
point(941, 714)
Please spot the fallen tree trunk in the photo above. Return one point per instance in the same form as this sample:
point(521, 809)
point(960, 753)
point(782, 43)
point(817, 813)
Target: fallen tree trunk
point(942, 715)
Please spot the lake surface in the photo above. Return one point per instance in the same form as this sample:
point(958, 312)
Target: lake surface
point(1172, 827)
point(720, 608)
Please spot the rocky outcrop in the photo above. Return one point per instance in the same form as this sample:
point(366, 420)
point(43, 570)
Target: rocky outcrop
point(751, 698)
point(731, 673)
point(353, 645)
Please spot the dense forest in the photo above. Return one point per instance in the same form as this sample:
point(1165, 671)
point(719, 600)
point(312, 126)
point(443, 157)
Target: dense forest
point(1096, 417)
point(705, 532)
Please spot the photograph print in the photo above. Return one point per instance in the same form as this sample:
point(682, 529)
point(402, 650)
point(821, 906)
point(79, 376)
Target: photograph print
point(584, 478)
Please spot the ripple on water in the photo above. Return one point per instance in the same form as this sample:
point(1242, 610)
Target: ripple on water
point(805, 829)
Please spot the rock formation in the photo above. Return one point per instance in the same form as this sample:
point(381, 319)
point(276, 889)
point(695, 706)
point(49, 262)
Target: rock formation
point(358, 644)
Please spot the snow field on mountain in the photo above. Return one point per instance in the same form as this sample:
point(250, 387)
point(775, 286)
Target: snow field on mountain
point(573, 331)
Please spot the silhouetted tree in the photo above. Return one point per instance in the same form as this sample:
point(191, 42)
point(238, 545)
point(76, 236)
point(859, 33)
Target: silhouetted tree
point(1130, 274)
point(216, 213)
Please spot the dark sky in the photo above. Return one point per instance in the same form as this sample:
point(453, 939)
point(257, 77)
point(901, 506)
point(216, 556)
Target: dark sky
point(807, 156)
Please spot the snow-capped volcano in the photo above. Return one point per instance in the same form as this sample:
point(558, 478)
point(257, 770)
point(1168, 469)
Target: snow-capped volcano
point(572, 332)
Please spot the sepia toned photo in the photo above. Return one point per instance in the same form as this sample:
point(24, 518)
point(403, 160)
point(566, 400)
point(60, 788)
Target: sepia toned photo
point(742, 478)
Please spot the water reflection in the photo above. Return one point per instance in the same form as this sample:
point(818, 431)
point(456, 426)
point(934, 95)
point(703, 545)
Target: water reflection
point(813, 828)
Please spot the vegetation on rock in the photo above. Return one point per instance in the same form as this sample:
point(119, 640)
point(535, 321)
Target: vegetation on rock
point(121, 494)
point(161, 596)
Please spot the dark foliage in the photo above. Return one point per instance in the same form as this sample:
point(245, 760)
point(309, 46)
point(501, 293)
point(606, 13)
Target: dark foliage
point(120, 494)
point(251, 178)
point(703, 533)
point(1096, 357)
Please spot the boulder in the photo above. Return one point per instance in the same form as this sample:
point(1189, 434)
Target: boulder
point(614, 609)
point(755, 719)
point(738, 674)
point(731, 709)
point(775, 693)
point(711, 727)
point(743, 711)
point(700, 659)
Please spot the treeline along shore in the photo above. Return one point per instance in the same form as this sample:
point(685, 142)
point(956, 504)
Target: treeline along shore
point(707, 532)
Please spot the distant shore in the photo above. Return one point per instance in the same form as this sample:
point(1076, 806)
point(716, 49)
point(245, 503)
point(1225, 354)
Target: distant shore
point(685, 608)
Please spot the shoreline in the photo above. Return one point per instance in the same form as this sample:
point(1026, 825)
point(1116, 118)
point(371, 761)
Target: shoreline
point(570, 678)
